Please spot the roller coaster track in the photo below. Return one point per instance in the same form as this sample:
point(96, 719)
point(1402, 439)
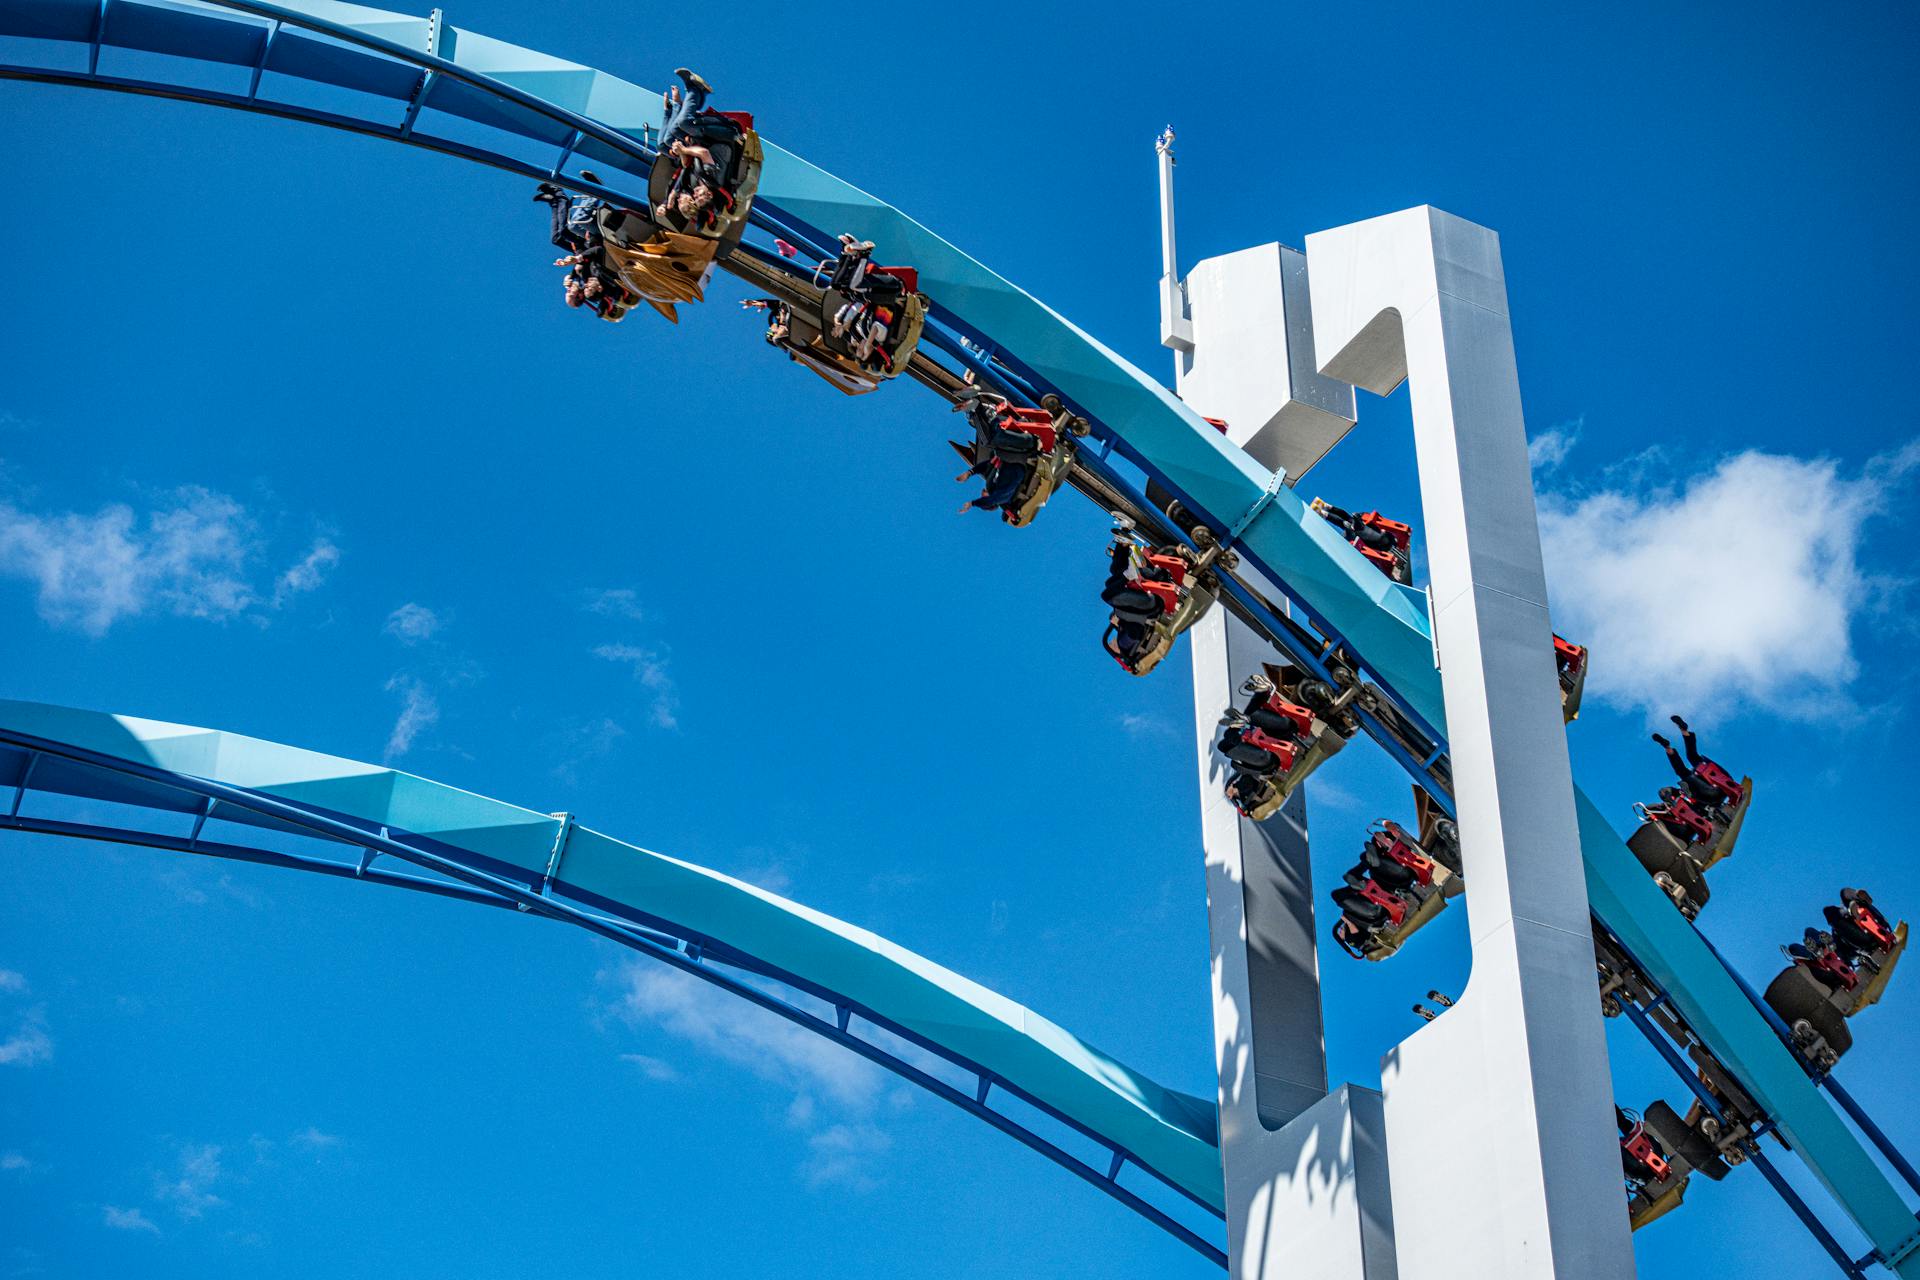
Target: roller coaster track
point(423, 83)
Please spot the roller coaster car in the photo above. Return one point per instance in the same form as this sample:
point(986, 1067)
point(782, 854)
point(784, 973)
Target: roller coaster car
point(1166, 599)
point(1388, 544)
point(892, 298)
point(1659, 1154)
point(1678, 841)
point(668, 260)
point(735, 147)
point(1037, 439)
point(1571, 662)
point(1292, 726)
point(1819, 990)
point(664, 268)
point(1394, 890)
point(1669, 857)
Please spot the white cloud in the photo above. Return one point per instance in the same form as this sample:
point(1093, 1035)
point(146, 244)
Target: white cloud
point(13, 982)
point(312, 1139)
point(844, 1155)
point(744, 1034)
point(190, 1190)
point(419, 711)
point(187, 558)
point(193, 555)
point(127, 1219)
point(615, 602)
point(14, 1162)
point(1550, 448)
point(411, 623)
point(1139, 725)
point(29, 1044)
point(1741, 586)
point(834, 1091)
point(653, 1068)
point(650, 669)
point(308, 574)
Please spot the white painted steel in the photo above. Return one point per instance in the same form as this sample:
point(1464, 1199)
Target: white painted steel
point(1499, 1124)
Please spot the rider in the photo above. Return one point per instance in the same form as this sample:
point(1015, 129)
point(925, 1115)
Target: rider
point(779, 317)
point(1003, 455)
point(680, 109)
point(1860, 932)
point(1366, 536)
point(1134, 610)
point(1698, 773)
point(696, 184)
point(861, 321)
point(576, 227)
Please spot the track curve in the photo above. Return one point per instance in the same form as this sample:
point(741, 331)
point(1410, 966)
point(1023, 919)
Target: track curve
point(415, 68)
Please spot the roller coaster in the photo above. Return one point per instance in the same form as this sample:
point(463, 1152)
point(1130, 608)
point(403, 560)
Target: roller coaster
point(1124, 441)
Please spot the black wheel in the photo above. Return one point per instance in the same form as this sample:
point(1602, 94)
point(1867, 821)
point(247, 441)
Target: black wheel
point(1316, 695)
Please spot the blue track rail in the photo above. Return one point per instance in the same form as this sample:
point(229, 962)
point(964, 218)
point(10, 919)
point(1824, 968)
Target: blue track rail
point(412, 80)
point(223, 795)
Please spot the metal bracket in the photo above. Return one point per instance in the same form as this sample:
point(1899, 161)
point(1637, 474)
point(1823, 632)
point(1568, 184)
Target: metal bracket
point(200, 822)
point(20, 792)
point(559, 851)
point(1275, 483)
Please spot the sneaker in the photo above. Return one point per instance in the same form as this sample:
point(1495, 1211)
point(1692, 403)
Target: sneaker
point(693, 80)
point(591, 176)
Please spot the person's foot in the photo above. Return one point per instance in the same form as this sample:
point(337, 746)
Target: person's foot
point(1122, 522)
point(590, 176)
point(693, 80)
point(1677, 720)
point(546, 193)
point(1662, 741)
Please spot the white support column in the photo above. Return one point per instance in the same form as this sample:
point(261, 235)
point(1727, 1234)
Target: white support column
point(1305, 1170)
point(1504, 1159)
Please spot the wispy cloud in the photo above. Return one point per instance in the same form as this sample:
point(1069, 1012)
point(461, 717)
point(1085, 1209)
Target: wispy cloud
point(744, 1034)
point(14, 1162)
point(312, 1139)
point(308, 574)
point(834, 1092)
point(844, 1155)
point(579, 743)
point(651, 1067)
point(1140, 725)
point(192, 555)
point(650, 669)
point(127, 1219)
point(29, 1044)
point(412, 623)
point(1550, 448)
point(189, 1189)
point(615, 602)
point(419, 711)
point(1740, 586)
point(13, 982)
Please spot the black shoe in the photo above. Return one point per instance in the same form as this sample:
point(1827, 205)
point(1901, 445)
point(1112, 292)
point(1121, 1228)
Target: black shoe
point(1662, 741)
point(693, 81)
point(1682, 723)
point(547, 193)
point(590, 176)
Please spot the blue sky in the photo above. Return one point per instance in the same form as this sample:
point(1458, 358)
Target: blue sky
point(296, 440)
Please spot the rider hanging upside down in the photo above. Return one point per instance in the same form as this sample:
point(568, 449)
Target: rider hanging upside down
point(1022, 453)
point(1288, 728)
point(1387, 543)
point(1694, 825)
point(1155, 594)
point(1708, 786)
